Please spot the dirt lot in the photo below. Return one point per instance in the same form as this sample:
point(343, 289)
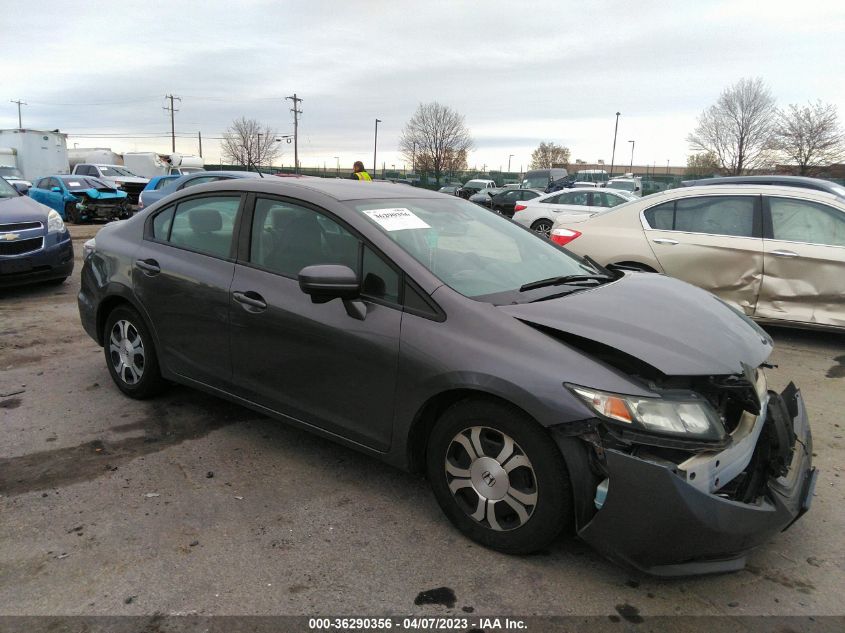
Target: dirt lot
point(187, 504)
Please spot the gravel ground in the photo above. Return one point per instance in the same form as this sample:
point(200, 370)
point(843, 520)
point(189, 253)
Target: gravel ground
point(188, 504)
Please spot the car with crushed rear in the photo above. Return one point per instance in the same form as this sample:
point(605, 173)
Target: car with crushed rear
point(540, 393)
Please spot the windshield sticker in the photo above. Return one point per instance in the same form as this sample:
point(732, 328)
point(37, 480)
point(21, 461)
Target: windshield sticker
point(396, 219)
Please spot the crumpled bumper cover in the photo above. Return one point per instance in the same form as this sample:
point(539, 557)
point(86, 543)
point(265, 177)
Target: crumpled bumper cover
point(655, 521)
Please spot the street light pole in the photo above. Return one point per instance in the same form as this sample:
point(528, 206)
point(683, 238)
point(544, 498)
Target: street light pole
point(667, 166)
point(632, 154)
point(258, 152)
point(375, 147)
point(613, 156)
point(509, 162)
point(337, 158)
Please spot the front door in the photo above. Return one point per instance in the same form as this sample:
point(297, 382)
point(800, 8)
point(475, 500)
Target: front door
point(804, 263)
point(312, 361)
point(182, 273)
point(713, 242)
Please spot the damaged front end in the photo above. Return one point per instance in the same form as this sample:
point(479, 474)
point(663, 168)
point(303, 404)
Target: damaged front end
point(730, 467)
point(102, 204)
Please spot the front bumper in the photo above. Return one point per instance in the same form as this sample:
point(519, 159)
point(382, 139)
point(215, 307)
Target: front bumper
point(655, 520)
point(53, 261)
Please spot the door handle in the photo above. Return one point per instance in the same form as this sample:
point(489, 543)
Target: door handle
point(780, 253)
point(149, 266)
point(251, 299)
point(664, 240)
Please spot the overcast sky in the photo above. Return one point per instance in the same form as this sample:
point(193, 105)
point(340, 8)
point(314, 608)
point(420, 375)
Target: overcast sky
point(520, 72)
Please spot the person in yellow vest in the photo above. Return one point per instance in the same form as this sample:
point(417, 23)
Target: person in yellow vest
point(358, 171)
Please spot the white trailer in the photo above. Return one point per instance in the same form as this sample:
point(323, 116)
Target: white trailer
point(151, 164)
point(95, 155)
point(38, 152)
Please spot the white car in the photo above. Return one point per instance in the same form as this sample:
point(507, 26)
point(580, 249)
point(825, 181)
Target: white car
point(631, 185)
point(540, 213)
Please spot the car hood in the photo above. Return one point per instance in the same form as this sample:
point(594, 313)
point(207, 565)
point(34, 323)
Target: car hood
point(673, 326)
point(104, 193)
point(22, 209)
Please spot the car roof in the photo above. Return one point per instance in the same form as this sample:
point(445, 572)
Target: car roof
point(338, 188)
point(725, 189)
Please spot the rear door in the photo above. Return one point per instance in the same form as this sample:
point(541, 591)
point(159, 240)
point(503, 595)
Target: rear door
point(182, 273)
point(714, 242)
point(804, 262)
point(312, 361)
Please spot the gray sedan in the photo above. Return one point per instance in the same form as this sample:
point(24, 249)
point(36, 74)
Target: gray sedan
point(538, 391)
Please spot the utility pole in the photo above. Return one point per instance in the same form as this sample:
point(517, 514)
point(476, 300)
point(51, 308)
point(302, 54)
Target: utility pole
point(613, 156)
point(375, 147)
point(509, 162)
point(20, 103)
point(199, 138)
point(172, 111)
point(337, 159)
point(296, 112)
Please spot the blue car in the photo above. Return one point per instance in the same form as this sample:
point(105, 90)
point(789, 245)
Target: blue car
point(150, 196)
point(35, 244)
point(81, 198)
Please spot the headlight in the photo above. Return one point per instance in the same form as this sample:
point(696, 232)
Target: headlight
point(685, 415)
point(88, 248)
point(54, 222)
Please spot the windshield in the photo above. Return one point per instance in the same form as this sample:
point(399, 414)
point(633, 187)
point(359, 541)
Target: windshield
point(11, 172)
point(477, 253)
point(623, 185)
point(536, 180)
point(81, 184)
point(112, 171)
point(8, 191)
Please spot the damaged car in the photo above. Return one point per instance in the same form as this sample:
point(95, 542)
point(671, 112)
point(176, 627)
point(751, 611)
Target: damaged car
point(540, 393)
point(81, 198)
point(777, 253)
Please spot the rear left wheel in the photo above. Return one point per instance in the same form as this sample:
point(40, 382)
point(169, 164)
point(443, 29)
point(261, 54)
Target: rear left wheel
point(71, 214)
point(499, 477)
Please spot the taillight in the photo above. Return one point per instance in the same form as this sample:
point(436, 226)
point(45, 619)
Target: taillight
point(519, 207)
point(564, 236)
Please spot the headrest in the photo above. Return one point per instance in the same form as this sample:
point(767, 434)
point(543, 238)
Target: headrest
point(205, 220)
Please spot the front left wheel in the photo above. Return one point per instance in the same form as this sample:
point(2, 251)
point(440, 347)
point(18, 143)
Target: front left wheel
point(130, 354)
point(499, 477)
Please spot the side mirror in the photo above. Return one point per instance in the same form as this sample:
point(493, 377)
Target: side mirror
point(325, 282)
point(21, 187)
point(56, 189)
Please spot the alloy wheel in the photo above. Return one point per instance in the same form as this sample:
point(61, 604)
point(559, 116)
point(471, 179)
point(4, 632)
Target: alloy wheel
point(126, 351)
point(543, 227)
point(491, 478)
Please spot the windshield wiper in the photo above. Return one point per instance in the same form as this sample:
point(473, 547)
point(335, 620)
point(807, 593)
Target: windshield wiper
point(565, 279)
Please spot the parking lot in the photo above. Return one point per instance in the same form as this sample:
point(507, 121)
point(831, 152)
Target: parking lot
point(189, 504)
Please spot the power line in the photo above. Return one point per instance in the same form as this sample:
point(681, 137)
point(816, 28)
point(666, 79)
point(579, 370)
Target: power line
point(20, 103)
point(172, 123)
point(296, 112)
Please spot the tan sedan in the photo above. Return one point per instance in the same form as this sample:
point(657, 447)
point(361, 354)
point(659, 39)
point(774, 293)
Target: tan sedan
point(776, 253)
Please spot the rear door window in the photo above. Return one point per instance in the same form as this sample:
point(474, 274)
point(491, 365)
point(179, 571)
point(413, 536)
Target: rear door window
point(205, 225)
point(805, 221)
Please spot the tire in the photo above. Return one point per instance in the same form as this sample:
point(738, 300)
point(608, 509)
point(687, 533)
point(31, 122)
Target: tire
point(70, 213)
point(542, 226)
point(130, 354)
point(534, 470)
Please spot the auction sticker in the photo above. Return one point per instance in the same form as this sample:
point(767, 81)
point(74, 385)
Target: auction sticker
point(396, 219)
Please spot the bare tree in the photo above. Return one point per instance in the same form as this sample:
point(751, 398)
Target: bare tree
point(548, 155)
point(738, 128)
point(247, 143)
point(810, 136)
point(703, 164)
point(436, 139)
